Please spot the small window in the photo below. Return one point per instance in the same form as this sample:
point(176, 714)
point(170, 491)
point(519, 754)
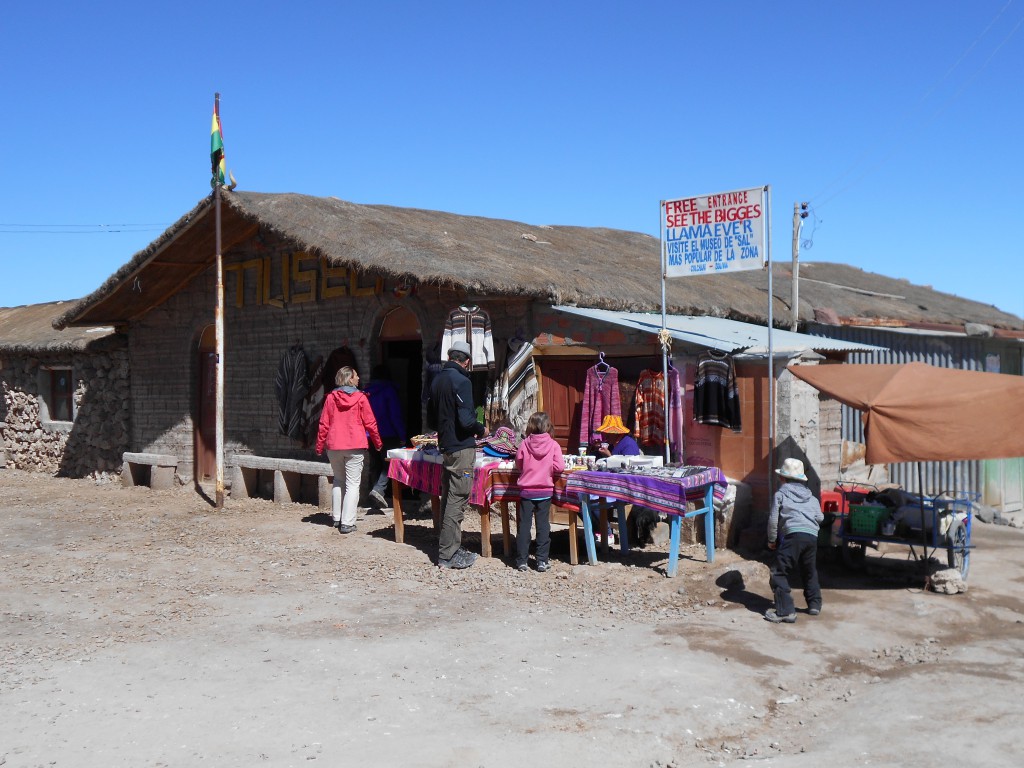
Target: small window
point(61, 403)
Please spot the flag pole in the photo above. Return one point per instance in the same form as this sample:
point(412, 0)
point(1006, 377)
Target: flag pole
point(219, 323)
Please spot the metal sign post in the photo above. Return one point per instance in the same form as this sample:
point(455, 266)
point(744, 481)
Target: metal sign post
point(708, 234)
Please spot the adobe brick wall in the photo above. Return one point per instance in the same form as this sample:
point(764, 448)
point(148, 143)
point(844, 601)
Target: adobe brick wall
point(163, 349)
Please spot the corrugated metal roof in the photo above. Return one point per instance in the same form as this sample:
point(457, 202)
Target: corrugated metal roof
point(721, 334)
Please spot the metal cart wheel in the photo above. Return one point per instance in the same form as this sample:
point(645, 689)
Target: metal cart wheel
point(958, 555)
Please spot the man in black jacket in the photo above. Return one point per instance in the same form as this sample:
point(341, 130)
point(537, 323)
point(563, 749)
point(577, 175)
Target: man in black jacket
point(452, 412)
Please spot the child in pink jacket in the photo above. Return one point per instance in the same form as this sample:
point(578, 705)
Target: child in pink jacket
point(538, 459)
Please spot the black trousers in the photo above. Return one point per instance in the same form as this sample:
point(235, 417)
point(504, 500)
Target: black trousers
point(797, 551)
point(530, 510)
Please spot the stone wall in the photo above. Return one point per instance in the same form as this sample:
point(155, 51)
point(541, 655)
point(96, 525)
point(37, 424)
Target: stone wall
point(89, 446)
point(809, 429)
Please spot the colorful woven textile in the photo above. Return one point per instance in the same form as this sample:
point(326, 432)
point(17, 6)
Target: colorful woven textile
point(489, 483)
point(662, 494)
point(500, 485)
point(650, 408)
point(417, 474)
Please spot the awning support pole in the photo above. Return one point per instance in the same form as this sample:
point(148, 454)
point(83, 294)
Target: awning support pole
point(766, 199)
point(663, 336)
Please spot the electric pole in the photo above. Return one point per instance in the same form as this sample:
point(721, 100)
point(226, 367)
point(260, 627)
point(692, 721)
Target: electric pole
point(799, 214)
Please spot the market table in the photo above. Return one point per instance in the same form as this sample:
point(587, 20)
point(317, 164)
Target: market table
point(490, 484)
point(499, 485)
point(662, 492)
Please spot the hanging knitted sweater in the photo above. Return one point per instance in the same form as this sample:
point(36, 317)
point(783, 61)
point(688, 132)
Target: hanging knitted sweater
point(650, 408)
point(715, 396)
point(600, 399)
point(470, 323)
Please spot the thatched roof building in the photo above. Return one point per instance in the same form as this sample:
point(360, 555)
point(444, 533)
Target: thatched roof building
point(30, 330)
point(586, 266)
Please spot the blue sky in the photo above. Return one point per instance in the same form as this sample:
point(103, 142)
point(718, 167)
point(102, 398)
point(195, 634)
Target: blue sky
point(900, 122)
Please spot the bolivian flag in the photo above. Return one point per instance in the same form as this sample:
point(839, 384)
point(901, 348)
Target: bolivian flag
point(217, 163)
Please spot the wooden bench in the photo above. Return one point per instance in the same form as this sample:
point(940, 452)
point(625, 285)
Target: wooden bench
point(156, 470)
point(248, 471)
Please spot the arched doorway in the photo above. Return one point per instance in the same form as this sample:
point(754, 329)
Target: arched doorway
point(204, 430)
point(401, 349)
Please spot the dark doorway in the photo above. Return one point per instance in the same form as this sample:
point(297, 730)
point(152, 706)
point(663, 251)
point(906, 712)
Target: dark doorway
point(404, 358)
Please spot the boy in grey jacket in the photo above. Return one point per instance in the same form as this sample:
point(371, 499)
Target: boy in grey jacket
point(793, 532)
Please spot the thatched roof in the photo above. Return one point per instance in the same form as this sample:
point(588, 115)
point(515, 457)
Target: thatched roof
point(587, 266)
point(29, 330)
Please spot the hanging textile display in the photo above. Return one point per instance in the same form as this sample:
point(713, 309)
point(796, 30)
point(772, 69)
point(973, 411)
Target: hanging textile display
point(600, 399)
point(521, 386)
point(715, 395)
point(314, 402)
point(649, 408)
point(496, 399)
point(291, 386)
point(675, 409)
point(471, 324)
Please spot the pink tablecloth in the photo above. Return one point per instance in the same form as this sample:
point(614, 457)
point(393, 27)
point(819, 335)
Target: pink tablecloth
point(490, 484)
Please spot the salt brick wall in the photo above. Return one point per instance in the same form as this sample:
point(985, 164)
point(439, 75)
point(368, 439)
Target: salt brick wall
point(163, 346)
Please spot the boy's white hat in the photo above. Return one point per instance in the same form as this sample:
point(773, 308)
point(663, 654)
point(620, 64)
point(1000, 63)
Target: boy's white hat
point(792, 469)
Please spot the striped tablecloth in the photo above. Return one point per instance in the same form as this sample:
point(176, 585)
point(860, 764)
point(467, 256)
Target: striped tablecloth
point(494, 484)
point(490, 484)
point(662, 494)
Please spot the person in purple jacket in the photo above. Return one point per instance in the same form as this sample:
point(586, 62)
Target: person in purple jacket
point(383, 396)
point(538, 460)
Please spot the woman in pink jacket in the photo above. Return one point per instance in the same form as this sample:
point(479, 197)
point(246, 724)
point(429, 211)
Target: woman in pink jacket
point(538, 459)
point(345, 422)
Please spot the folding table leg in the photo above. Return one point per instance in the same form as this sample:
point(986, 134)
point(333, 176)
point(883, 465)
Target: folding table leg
point(588, 530)
point(709, 523)
point(675, 526)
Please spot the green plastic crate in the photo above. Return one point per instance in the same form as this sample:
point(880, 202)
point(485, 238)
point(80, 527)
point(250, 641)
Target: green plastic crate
point(866, 519)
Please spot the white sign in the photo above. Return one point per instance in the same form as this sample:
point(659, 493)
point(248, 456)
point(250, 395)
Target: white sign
point(714, 233)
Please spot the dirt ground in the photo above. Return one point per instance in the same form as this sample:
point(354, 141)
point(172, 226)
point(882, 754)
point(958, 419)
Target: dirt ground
point(144, 628)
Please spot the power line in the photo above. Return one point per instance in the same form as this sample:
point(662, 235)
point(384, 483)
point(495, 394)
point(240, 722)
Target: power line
point(78, 229)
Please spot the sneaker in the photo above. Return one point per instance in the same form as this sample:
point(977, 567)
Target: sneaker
point(378, 497)
point(543, 566)
point(461, 559)
point(774, 618)
point(522, 568)
point(813, 611)
point(342, 528)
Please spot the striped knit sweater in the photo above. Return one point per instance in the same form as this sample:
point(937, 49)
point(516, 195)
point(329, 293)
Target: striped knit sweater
point(471, 324)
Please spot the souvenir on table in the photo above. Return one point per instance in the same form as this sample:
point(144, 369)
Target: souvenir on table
point(502, 444)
